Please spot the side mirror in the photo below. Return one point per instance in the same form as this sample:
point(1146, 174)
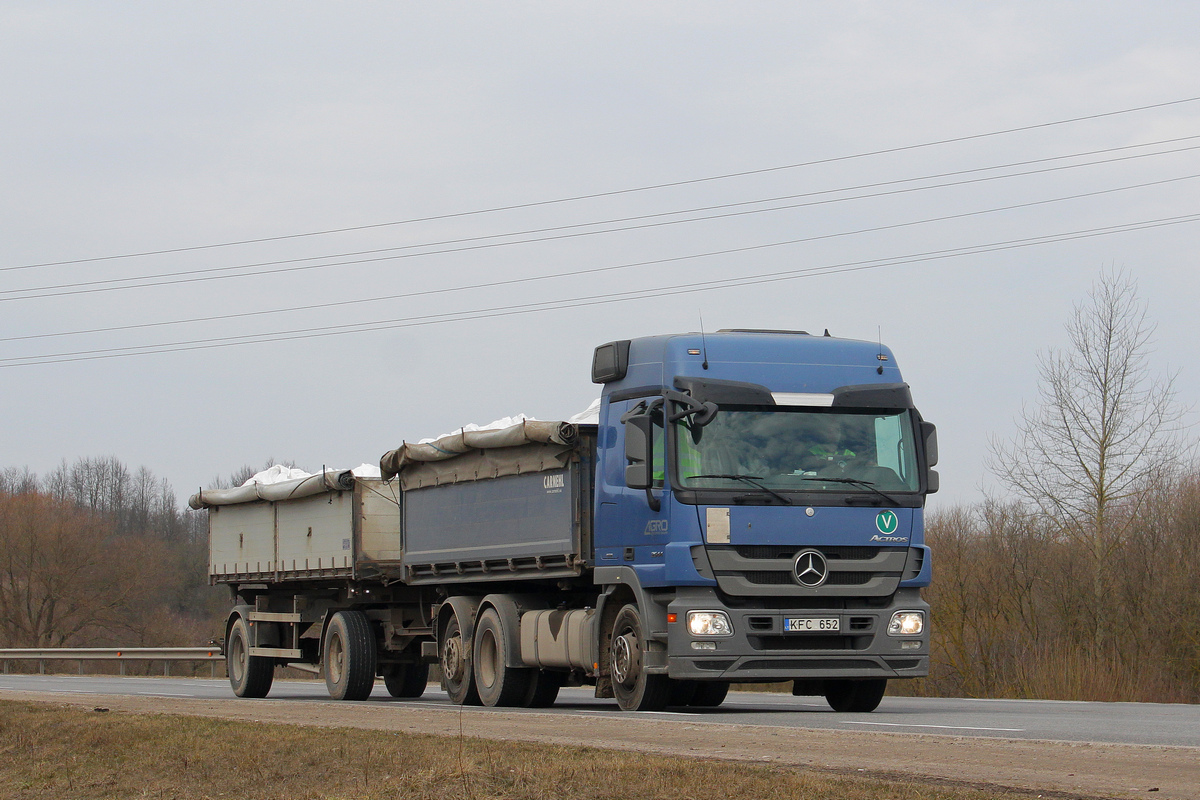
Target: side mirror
point(929, 434)
point(639, 444)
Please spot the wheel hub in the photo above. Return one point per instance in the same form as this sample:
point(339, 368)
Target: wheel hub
point(452, 659)
point(624, 659)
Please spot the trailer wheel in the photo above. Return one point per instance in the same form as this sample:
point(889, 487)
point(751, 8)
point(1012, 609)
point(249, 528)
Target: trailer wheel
point(455, 659)
point(543, 688)
point(406, 680)
point(349, 656)
point(250, 676)
point(710, 694)
point(498, 684)
point(855, 695)
point(634, 689)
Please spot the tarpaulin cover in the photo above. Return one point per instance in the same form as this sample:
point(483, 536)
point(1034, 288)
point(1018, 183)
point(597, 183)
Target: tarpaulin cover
point(477, 465)
point(330, 481)
point(505, 441)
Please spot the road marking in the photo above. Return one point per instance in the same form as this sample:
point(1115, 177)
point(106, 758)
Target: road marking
point(941, 727)
point(165, 694)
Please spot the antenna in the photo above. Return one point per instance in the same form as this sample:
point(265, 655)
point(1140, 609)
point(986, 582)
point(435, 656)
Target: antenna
point(703, 342)
point(881, 357)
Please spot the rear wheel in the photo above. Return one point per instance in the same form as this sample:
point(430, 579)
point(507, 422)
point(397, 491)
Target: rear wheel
point(634, 689)
point(855, 695)
point(406, 680)
point(710, 694)
point(349, 656)
point(543, 688)
point(455, 658)
point(498, 684)
point(250, 676)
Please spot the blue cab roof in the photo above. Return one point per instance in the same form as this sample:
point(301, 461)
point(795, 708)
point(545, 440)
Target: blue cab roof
point(781, 361)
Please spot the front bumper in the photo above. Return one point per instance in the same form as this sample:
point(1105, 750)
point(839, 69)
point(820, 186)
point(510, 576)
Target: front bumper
point(760, 651)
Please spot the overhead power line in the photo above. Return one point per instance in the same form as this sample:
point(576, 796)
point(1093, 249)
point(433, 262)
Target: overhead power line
point(614, 297)
point(592, 270)
point(612, 193)
point(254, 270)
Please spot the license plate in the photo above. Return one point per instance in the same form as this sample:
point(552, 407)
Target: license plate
point(807, 624)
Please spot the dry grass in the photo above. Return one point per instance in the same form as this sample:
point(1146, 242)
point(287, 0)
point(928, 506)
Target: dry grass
point(49, 751)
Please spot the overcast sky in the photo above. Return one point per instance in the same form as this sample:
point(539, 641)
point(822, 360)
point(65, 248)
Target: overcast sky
point(141, 127)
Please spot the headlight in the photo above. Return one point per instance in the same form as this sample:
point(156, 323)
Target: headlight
point(907, 623)
point(709, 623)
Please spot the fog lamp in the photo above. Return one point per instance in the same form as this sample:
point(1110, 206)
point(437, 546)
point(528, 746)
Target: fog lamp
point(907, 623)
point(709, 623)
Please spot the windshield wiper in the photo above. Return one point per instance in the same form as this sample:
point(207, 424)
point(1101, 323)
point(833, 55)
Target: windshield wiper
point(857, 482)
point(753, 480)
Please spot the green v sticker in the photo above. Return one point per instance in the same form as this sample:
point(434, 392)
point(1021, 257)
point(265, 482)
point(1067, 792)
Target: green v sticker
point(887, 522)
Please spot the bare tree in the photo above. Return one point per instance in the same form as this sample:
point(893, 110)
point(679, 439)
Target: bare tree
point(1104, 428)
point(63, 574)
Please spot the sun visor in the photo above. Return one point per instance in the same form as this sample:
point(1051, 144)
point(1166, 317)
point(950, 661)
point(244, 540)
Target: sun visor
point(873, 395)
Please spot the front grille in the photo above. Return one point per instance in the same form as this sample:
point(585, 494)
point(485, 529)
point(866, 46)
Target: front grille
point(823, 665)
point(769, 570)
point(771, 551)
point(804, 642)
point(766, 578)
point(769, 578)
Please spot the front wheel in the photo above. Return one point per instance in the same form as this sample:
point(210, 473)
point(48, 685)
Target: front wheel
point(856, 695)
point(710, 694)
point(634, 689)
point(349, 656)
point(250, 676)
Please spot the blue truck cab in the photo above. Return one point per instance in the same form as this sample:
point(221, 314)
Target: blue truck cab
point(759, 503)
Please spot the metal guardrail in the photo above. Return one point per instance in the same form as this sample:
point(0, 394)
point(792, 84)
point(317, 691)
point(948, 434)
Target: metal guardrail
point(167, 655)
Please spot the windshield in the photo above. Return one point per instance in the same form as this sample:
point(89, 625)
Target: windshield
point(798, 449)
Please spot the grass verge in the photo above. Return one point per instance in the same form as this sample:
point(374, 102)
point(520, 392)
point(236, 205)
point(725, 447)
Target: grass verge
point(50, 751)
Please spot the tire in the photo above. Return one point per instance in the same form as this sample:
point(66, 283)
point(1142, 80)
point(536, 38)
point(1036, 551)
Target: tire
point(543, 688)
point(349, 656)
point(682, 692)
point(497, 683)
point(856, 695)
point(710, 694)
point(250, 676)
point(454, 655)
point(633, 688)
point(406, 680)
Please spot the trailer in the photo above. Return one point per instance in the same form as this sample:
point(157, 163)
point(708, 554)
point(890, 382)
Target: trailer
point(744, 506)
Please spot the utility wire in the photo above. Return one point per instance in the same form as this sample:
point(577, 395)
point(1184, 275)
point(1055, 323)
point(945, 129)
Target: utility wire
point(223, 273)
point(593, 270)
point(511, 234)
point(616, 192)
point(637, 294)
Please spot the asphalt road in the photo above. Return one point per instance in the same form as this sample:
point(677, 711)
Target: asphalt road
point(1107, 723)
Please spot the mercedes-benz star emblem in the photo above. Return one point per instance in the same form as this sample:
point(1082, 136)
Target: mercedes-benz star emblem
point(811, 569)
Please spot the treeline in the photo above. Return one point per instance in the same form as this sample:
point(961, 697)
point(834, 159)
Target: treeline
point(1022, 608)
point(97, 554)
